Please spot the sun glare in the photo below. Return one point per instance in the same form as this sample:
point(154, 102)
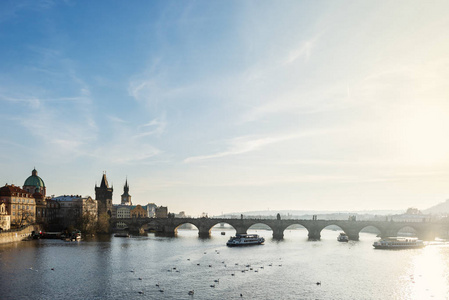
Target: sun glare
point(423, 135)
point(429, 280)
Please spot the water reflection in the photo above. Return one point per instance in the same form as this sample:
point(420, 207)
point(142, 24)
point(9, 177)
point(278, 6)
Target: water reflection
point(429, 278)
point(105, 267)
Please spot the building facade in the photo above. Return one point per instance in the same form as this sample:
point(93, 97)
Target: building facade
point(19, 204)
point(138, 211)
point(73, 208)
point(5, 218)
point(162, 212)
point(151, 208)
point(132, 211)
point(41, 207)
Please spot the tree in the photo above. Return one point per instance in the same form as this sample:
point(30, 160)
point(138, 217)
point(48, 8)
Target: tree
point(103, 223)
point(87, 222)
point(413, 211)
point(25, 216)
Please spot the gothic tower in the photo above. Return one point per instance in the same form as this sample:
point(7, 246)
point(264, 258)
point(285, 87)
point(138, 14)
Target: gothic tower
point(126, 197)
point(103, 194)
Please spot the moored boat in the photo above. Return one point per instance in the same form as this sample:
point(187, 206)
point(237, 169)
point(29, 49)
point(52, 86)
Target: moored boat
point(75, 236)
point(245, 240)
point(399, 243)
point(343, 237)
point(121, 234)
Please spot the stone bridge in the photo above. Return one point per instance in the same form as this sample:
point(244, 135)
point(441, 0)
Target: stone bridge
point(168, 226)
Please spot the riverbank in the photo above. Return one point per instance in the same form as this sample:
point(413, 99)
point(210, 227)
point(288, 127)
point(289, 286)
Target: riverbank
point(18, 234)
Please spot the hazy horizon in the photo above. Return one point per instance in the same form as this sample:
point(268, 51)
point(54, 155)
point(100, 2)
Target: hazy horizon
point(229, 106)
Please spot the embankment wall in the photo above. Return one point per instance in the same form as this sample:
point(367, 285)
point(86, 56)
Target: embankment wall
point(17, 235)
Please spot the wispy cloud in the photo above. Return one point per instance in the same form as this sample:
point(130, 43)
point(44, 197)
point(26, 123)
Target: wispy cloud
point(124, 153)
point(242, 145)
point(116, 119)
point(303, 51)
point(125, 143)
point(31, 102)
point(154, 127)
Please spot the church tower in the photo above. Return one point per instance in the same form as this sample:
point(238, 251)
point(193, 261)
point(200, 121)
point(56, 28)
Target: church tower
point(103, 194)
point(126, 197)
point(34, 183)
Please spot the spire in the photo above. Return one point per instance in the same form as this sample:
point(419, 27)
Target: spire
point(34, 172)
point(104, 182)
point(126, 187)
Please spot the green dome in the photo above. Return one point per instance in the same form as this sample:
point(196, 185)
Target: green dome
point(34, 180)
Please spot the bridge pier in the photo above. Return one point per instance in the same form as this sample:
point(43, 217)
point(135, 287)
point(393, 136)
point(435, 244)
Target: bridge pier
point(278, 234)
point(353, 235)
point(204, 233)
point(136, 229)
point(389, 232)
point(314, 234)
point(169, 231)
point(427, 236)
point(240, 229)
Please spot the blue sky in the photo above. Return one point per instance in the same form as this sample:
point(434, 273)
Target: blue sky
point(224, 106)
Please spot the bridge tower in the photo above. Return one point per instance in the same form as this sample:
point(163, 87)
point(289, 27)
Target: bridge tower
point(103, 194)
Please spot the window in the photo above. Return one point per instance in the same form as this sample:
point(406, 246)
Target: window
point(13, 206)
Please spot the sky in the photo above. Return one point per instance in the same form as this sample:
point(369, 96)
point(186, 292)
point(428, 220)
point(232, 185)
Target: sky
point(229, 106)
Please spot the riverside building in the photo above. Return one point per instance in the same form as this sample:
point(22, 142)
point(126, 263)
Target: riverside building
point(19, 204)
point(74, 207)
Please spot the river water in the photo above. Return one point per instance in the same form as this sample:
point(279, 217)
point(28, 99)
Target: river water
point(129, 268)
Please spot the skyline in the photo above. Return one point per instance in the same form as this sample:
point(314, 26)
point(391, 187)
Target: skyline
point(225, 107)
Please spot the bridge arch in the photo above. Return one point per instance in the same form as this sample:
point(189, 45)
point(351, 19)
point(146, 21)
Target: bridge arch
point(371, 229)
point(222, 227)
point(280, 227)
point(185, 226)
point(336, 229)
point(256, 226)
point(407, 231)
point(115, 224)
point(336, 226)
point(293, 230)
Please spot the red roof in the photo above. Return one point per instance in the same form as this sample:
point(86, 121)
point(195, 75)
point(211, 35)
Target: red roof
point(12, 190)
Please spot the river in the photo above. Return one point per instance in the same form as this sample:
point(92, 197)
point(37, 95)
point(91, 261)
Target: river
point(108, 267)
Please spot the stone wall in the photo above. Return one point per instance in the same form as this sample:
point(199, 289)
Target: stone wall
point(17, 235)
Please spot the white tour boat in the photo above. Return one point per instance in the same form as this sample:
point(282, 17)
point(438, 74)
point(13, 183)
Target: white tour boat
point(399, 243)
point(245, 239)
point(343, 237)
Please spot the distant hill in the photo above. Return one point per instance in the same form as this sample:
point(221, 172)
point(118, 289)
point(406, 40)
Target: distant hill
point(441, 208)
